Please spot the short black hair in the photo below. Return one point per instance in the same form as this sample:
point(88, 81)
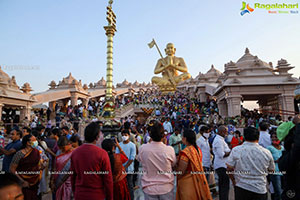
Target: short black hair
point(27, 129)
point(56, 131)
point(156, 132)
point(35, 133)
point(263, 126)
point(40, 127)
point(8, 179)
point(251, 134)
point(63, 141)
point(15, 128)
point(19, 132)
point(204, 129)
point(65, 128)
point(125, 131)
point(91, 132)
point(127, 125)
point(238, 132)
point(75, 138)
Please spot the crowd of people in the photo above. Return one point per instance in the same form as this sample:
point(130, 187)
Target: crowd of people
point(184, 150)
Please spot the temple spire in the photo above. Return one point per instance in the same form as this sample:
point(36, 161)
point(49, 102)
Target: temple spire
point(247, 51)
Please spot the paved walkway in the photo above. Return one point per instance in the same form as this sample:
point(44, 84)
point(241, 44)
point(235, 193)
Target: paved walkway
point(138, 193)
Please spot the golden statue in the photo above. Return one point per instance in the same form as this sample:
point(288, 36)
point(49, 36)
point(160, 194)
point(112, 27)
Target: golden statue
point(169, 67)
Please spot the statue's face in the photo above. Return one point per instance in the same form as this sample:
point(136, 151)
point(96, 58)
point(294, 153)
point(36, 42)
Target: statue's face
point(170, 50)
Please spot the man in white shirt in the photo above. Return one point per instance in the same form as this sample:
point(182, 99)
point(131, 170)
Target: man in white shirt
point(203, 144)
point(157, 112)
point(248, 165)
point(264, 136)
point(221, 152)
point(80, 111)
point(168, 126)
point(174, 115)
point(175, 141)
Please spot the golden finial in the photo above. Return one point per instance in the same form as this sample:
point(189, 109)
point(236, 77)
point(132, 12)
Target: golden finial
point(110, 3)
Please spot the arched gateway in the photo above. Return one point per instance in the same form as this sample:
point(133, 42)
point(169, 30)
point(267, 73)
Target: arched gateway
point(253, 79)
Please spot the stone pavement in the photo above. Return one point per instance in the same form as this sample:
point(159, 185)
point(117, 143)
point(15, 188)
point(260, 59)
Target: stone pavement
point(138, 193)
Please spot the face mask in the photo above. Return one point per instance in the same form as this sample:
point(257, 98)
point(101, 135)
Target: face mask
point(42, 134)
point(206, 135)
point(125, 138)
point(276, 142)
point(34, 144)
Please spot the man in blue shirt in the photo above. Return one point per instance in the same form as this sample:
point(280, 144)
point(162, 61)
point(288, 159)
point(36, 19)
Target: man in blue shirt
point(129, 149)
point(11, 148)
point(66, 132)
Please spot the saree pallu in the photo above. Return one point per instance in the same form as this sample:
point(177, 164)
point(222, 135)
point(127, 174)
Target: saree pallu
point(121, 191)
point(63, 180)
point(193, 184)
point(29, 170)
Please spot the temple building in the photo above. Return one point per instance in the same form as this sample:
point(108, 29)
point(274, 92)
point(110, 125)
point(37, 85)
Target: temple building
point(15, 102)
point(68, 89)
point(202, 86)
point(248, 79)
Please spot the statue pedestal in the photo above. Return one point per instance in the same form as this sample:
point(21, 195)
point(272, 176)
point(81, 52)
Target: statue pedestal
point(165, 89)
point(111, 128)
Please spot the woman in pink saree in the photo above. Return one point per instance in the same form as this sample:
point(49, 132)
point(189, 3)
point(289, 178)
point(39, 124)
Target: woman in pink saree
point(62, 179)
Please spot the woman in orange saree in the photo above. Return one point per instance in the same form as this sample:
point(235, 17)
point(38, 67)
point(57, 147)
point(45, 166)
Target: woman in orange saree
point(191, 180)
point(117, 160)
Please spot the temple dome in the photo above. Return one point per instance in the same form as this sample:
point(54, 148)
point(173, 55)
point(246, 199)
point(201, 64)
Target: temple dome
point(136, 84)
point(125, 83)
point(4, 78)
point(213, 72)
point(101, 82)
point(69, 79)
point(248, 60)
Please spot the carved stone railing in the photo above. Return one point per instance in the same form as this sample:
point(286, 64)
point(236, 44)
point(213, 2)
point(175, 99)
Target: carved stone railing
point(124, 111)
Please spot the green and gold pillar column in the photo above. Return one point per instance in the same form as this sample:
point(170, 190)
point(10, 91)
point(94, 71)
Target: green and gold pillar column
point(110, 29)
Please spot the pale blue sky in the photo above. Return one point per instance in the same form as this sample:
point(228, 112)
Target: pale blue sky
point(56, 37)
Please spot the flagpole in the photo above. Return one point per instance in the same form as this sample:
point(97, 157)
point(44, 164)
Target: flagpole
point(158, 49)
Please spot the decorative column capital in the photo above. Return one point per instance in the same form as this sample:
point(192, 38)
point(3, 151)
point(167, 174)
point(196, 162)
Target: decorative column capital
point(110, 30)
